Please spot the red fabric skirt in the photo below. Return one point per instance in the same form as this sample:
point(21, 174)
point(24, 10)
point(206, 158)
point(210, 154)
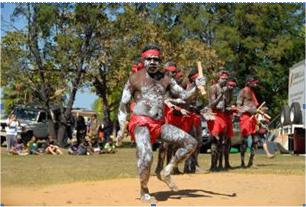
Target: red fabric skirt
point(247, 124)
point(153, 125)
point(196, 119)
point(183, 122)
point(218, 125)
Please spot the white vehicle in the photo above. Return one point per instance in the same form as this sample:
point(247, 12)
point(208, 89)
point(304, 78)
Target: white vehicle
point(292, 131)
point(33, 121)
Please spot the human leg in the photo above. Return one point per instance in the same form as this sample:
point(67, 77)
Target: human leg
point(144, 159)
point(186, 146)
point(220, 149)
point(191, 163)
point(227, 152)
point(252, 152)
point(243, 148)
point(161, 157)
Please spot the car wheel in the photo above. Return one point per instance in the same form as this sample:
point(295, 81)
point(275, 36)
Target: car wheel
point(284, 118)
point(295, 114)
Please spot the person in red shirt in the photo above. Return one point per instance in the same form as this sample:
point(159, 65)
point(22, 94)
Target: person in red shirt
point(247, 105)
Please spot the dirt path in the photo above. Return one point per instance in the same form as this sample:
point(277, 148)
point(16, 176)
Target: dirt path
point(198, 189)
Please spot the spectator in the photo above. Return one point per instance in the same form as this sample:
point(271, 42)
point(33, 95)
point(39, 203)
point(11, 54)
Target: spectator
point(263, 131)
point(33, 146)
point(101, 135)
point(53, 149)
point(19, 148)
point(93, 130)
point(109, 147)
point(80, 129)
point(84, 148)
point(11, 131)
point(41, 145)
point(107, 129)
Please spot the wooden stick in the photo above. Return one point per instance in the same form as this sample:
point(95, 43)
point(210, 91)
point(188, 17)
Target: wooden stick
point(200, 71)
point(261, 105)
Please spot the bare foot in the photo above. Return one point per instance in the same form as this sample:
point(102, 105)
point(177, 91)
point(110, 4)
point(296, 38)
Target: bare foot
point(147, 198)
point(166, 178)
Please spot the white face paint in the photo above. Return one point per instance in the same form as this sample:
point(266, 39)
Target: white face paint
point(152, 63)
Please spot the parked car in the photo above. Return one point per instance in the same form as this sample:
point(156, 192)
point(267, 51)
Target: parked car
point(33, 121)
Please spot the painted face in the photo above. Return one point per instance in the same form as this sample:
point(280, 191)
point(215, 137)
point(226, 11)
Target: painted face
point(253, 83)
point(152, 63)
point(222, 81)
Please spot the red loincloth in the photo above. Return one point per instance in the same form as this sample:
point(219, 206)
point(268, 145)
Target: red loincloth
point(154, 126)
point(247, 124)
point(183, 122)
point(218, 125)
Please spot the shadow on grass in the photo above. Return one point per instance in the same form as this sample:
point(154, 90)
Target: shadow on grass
point(191, 193)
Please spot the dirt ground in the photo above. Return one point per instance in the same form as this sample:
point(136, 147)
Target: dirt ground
point(195, 189)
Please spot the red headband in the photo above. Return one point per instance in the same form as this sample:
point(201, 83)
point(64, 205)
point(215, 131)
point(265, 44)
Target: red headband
point(253, 81)
point(179, 74)
point(170, 68)
point(223, 74)
point(152, 52)
point(231, 83)
point(194, 76)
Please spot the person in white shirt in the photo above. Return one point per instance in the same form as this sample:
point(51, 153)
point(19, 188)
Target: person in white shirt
point(11, 131)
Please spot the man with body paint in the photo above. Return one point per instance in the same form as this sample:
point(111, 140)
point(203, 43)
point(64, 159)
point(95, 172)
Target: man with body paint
point(174, 115)
point(148, 87)
point(247, 104)
point(217, 127)
point(194, 120)
point(229, 108)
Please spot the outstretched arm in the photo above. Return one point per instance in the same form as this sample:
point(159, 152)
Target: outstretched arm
point(178, 90)
point(171, 104)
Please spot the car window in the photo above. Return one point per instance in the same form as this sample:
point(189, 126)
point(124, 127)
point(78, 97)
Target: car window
point(42, 117)
point(26, 114)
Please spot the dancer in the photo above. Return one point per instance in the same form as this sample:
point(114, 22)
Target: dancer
point(247, 104)
point(148, 87)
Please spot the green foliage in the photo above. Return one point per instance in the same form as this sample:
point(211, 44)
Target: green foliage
point(260, 39)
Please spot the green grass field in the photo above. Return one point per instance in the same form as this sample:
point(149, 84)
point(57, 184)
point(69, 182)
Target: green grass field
point(47, 169)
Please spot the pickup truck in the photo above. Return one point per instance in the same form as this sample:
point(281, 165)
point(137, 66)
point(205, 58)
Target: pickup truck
point(33, 121)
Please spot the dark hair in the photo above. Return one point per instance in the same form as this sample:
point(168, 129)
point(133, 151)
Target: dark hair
point(250, 78)
point(192, 72)
point(150, 47)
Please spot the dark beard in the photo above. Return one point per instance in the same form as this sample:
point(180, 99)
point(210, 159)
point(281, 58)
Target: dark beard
point(157, 75)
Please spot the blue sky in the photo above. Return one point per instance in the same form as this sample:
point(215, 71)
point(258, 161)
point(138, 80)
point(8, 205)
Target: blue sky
point(84, 98)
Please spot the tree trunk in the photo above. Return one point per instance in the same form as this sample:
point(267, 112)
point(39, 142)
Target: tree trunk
point(61, 138)
point(51, 130)
point(66, 116)
point(106, 113)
